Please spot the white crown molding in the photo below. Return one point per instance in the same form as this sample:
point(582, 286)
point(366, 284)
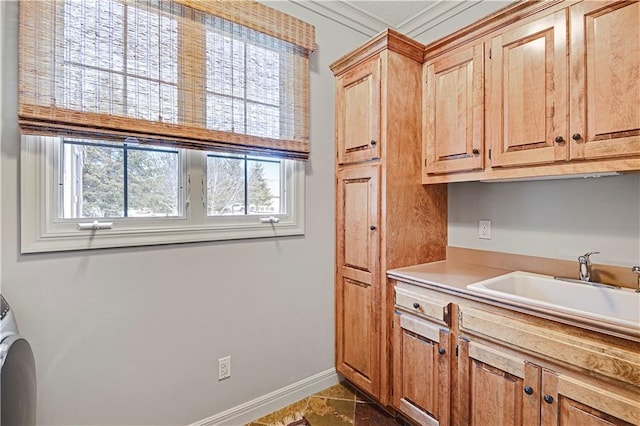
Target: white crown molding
point(263, 405)
point(354, 17)
point(435, 15)
point(342, 13)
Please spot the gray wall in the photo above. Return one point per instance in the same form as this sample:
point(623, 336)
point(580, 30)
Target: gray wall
point(132, 336)
point(559, 218)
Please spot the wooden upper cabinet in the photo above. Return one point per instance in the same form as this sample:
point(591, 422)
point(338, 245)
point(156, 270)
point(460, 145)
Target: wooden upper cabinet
point(528, 114)
point(453, 104)
point(358, 113)
point(605, 79)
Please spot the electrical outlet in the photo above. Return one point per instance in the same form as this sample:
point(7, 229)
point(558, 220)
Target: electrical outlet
point(224, 368)
point(484, 229)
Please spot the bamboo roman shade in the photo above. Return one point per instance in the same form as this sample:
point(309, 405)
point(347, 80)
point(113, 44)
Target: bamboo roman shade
point(228, 75)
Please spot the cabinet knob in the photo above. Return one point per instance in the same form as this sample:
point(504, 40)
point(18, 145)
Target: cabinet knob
point(576, 136)
point(476, 151)
point(373, 142)
point(548, 399)
point(416, 305)
point(372, 227)
point(442, 351)
point(559, 139)
point(528, 390)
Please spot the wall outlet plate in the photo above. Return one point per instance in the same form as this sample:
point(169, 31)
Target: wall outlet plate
point(224, 368)
point(484, 229)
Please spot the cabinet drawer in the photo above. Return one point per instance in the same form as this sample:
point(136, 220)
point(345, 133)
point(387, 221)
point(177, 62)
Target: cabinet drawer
point(422, 302)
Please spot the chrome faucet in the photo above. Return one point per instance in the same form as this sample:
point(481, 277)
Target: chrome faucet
point(585, 266)
point(636, 269)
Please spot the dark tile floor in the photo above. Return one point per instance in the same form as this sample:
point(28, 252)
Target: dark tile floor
point(336, 406)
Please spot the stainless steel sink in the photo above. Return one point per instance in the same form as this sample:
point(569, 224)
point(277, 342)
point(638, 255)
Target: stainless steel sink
point(620, 307)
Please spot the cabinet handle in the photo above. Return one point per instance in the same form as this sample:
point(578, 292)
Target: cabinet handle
point(416, 305)
point(373, 142)
point(548, 399)
point(372, 227)
point(476, 151)
point(576, 136)
point(442, 351)
point(559, 139)
point(528, 390)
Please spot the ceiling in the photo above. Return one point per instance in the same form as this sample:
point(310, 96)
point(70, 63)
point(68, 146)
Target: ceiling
point(411, 18)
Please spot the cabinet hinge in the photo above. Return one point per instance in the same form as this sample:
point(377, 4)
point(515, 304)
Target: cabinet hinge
point(456, 350)
point(489, 53)
point(489, 153)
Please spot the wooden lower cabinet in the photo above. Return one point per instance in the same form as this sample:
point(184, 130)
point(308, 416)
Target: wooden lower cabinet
point(496, 388)
point(500, 388)
point(357, 346)
point(569, 401)
point(421, 385)
point(466, 363)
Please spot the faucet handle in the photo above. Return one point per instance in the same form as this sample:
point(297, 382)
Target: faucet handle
point(586, 255)
point(585, 266)
point(636, 269)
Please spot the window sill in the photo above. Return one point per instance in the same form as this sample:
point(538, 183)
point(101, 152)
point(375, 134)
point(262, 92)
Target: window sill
point(34, 241)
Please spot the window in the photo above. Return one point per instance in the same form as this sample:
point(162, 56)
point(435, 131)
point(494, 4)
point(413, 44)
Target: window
point(152, 122)
point(92, 194)
point(108, 180)
point(243, 185)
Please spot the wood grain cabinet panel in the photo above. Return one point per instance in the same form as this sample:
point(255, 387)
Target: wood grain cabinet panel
point(605, 79)
point(569, 401)
point(357, 236)
point(358, 113)
point(357, 348)
point(528, 111)
point(421, 375)
point(496, 388)
point(453, 99)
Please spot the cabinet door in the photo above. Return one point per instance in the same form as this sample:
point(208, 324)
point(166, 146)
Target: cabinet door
point(453, 99)
point(358, 113)
point(357, 281)
point(568, 401)
point(605, 79)
point(528, 93)
point(496, 388)
point(421, 370)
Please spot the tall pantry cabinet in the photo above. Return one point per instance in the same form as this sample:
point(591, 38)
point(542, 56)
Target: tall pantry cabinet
point(385, 217)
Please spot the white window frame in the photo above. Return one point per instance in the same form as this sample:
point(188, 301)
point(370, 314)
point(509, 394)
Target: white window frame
point(42, 231)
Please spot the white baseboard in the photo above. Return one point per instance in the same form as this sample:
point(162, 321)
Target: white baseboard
point(280, 398)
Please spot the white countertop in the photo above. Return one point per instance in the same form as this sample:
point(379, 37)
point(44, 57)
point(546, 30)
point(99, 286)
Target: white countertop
point(446, 274)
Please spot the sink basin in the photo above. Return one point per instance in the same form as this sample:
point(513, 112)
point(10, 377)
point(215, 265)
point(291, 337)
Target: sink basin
point(620, 307)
